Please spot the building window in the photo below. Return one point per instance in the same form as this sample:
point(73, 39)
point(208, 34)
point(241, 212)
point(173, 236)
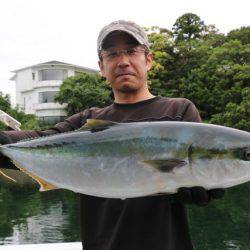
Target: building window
point(47, 97)
point(52, 74)
point(33, 76)
point(52, 119)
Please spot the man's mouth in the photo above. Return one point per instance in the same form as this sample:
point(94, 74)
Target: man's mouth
point(125, 74)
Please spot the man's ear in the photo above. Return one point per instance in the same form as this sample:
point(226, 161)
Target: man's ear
point(149, 61)
point(100, 63)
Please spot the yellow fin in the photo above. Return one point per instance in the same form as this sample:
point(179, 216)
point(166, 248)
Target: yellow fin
point(5, 175)
point(95, 125)
point(44, 186)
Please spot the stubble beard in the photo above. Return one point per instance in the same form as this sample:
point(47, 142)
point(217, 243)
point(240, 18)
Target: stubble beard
point(128, 88)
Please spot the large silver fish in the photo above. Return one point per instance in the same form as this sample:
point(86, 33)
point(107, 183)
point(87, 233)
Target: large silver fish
point(123, 160)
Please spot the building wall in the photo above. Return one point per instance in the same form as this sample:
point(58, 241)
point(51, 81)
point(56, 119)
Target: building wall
point(27, 92)
point(29, 85)
point(23, 83)
point(28, 100)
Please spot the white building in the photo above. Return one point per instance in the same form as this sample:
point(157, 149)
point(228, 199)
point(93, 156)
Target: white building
point(37, 85)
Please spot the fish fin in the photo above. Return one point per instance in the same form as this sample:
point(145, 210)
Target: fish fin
point(8, 177)
point(165, 165)
point(160, 194)
point(44, 186)
point(95, 125)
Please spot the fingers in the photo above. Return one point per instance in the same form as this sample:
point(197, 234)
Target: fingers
point(198, 195)
point(184, 195)
point(4, 139)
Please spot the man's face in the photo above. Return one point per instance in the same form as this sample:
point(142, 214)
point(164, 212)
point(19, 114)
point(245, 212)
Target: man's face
point(125, 63)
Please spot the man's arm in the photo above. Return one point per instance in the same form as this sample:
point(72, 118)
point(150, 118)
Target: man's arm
point(70, 124)
point(189, 112)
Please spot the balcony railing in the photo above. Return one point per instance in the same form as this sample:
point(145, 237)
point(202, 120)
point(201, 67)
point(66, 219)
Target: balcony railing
point(51, 105)
point(51, 83)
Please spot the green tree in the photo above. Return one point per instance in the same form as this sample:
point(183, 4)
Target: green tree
point(205, 66)
point(161, 41)
point(242, 35)
point(29, 122)
point(188, 26)
point(4, 106)
point(220, 80)
point(84, 91)
point(4, 102)
point(235, 115)
point(174, 60)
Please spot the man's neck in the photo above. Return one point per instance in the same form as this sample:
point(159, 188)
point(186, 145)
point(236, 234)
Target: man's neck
point(132, 97)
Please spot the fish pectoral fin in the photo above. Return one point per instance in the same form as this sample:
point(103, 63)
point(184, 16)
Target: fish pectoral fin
point(6, 176)
point(165, 165)
point(44, 186)
point(95, 125)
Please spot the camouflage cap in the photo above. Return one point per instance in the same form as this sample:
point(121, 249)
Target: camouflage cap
point(127, 26)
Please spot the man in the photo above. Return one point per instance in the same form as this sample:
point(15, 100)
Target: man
point(146, 223)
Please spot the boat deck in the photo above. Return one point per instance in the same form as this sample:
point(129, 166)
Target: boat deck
point(49, 246)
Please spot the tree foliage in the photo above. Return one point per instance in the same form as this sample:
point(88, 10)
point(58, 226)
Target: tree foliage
point(242, 35)
point(28, 122)
point(188, 26)
point(197, 62)
point(84, 91)
point(192, 60)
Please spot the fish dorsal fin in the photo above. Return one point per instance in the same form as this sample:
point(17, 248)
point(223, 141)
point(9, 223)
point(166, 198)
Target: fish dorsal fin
point(95, 125)
point(165, 165)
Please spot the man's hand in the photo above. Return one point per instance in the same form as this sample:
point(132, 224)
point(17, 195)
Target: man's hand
point(198, 195)
point(4, 139)
point(5, 161)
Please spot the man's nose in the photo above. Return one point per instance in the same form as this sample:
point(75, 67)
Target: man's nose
point(123, 60)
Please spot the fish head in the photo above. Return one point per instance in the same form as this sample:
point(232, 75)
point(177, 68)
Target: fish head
point(220, 168)
point(221, 157)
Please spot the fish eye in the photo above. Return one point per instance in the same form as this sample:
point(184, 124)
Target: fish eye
point(242, 154)
point(247, 154)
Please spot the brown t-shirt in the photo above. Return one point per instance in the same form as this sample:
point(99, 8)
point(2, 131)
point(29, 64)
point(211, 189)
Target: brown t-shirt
point(146, 223)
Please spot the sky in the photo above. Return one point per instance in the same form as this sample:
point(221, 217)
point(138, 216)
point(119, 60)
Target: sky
point(37, 31)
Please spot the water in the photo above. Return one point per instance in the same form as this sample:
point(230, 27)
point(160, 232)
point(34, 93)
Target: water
point(225, 223)
point(28, 216)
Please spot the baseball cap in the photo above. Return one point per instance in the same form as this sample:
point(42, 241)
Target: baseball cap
point(127, 26)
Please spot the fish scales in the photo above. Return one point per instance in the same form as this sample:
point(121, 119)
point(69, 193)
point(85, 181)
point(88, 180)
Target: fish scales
point(126, 160)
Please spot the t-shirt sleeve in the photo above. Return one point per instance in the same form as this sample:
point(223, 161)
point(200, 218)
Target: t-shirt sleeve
point(191, 113)
point(72, 123)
